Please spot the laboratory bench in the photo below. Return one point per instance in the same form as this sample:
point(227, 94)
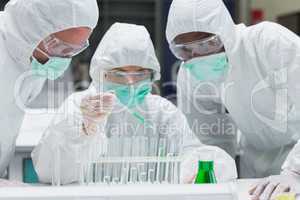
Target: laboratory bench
point(21, 169)
point(230, 191)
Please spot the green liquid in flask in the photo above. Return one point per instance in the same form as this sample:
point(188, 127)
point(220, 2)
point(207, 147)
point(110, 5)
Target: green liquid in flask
point(206, 174)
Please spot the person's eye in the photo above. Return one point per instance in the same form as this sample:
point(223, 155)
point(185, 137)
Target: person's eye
point(119, 75)
point(141, 75)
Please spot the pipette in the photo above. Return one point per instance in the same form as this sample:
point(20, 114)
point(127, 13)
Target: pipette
point(137, 115)
point(140, 118)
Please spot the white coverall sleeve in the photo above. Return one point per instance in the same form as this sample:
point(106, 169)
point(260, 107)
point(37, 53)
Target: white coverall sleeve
point(292, 162)
point(206, 116)
point(281, 55)
point(65, 135)
point(191, 149)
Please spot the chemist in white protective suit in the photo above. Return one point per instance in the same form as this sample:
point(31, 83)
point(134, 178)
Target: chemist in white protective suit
point(119, 104)
point(37, 41)
point(249, 75)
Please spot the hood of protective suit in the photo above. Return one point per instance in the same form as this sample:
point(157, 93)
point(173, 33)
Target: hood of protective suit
point(123, 45)
point(27, 23)
point(209, 16)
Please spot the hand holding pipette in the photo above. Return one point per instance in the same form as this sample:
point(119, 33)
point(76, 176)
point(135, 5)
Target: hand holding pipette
point(95, 110)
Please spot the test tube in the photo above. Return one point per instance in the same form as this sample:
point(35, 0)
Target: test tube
point(98, 172)
point(168, 164)
point(101, 148)
point(142, 172)
point(151, 175)
point(116, 167)
point(143, 177)
point(84, 172)
point(127, 143)
point(136, 148)
point(92, 152)
point(133, 175)
point(79, 163)
point(87, 173)
point(107, 180)
point(176, 174)
point(144, 152)
point(125, 172)
point(81, 174)
point(108, 167)
point(174, 142)
point(153, 143)
point(161, 153)
point(116, 180)
point(172, 173)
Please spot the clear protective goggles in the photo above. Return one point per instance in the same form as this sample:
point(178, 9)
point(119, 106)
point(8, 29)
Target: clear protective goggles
point(129, 78)
point(58, 48)
point(197, 48)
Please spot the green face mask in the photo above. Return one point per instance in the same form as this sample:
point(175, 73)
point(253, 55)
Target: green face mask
point(208, 68)
point(130, 95)
point(53, 69)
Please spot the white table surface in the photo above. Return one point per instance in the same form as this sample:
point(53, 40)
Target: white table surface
point(152, 191)
point(243, 187)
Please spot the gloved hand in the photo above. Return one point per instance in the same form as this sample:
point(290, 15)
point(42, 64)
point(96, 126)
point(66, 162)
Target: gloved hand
point(224, 165)
point(95, 110)
point(271, 187)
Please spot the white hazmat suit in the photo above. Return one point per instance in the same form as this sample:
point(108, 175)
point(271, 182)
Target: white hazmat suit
point(122, 45)
point(23, 25)
point(261, 91)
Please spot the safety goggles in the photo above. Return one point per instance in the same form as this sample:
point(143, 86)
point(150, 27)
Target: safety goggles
point(129, 78)
point(58, 48)
point(193, 49)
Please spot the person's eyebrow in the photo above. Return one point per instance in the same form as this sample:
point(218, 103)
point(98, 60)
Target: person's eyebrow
point(119, 70)
point(129, 70)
